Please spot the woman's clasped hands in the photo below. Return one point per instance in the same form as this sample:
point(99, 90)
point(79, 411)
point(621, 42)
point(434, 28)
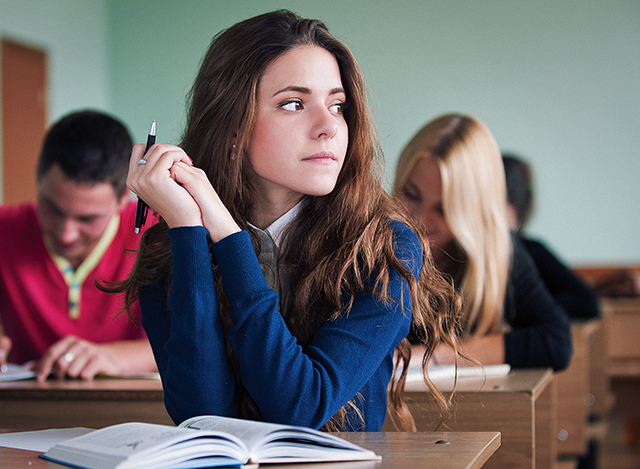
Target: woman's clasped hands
point(178, 191)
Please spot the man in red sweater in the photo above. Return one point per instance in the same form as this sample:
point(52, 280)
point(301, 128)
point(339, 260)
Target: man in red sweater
point(79, 231)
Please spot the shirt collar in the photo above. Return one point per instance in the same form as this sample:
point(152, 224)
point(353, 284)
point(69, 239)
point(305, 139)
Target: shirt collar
point(276, 229)
point(75, 278)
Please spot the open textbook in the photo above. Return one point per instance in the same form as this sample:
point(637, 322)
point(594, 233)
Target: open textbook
point(205, 441)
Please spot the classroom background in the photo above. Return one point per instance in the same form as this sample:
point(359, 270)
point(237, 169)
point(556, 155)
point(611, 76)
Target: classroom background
point(557, 82)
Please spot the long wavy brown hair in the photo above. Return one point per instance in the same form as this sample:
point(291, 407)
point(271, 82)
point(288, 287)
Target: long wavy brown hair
point(340, 242)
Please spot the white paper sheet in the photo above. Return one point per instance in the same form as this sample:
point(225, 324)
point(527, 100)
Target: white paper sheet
point(41, 440)
point(447, 373)
point(13, 372)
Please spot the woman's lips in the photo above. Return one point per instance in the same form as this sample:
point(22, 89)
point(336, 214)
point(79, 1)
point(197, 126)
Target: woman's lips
point(322, 157)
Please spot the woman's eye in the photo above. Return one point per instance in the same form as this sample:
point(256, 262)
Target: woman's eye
point(294, 105)
point(338, 108)
point(410, 195)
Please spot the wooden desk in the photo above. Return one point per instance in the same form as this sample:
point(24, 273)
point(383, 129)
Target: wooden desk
point(574, 391)
point(521, 405)
point(94, 404)
point(398, 451)
point(622, 322)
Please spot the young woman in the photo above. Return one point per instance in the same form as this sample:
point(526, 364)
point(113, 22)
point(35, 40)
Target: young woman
point(281, 278)
point(451, 179)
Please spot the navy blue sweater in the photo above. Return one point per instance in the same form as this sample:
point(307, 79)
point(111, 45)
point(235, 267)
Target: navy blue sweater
point(351, 357)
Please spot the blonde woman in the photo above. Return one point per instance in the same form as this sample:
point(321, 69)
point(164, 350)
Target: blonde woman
point(450, 177)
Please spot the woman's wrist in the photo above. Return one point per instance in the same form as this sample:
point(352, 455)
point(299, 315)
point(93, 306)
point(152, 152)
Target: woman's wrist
point(179, 220)
point(221, 231)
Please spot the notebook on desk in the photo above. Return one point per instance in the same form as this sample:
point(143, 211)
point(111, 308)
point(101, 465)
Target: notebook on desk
point(14, 372)
point(447, 373)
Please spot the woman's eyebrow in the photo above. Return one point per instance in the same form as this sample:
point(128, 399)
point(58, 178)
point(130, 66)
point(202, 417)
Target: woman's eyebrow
point(412, 185)
point(299, 89)
point(305, 90)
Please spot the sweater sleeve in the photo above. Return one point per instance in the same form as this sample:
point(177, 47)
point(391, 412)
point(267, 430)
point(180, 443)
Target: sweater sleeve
point(289, 384)
point(188, 343)
point(541, 330)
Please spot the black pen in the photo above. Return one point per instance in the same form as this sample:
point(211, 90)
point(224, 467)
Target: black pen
point(142, 209)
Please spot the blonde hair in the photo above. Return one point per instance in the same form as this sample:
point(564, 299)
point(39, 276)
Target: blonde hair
point(475, 208)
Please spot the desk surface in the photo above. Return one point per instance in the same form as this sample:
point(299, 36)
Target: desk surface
point(398, 450)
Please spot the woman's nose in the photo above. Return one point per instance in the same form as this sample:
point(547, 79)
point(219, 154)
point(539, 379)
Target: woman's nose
point(325, 125)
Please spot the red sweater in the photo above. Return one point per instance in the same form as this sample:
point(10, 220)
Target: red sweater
point(34, 295)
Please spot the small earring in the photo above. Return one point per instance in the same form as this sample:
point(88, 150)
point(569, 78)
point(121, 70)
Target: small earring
point(233, 152)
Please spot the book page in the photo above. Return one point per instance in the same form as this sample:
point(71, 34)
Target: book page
point(137, 442)
point(282, 443)
point(249, 431)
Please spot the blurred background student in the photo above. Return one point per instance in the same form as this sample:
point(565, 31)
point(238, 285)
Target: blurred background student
point(450, 178)
point(78, 231)
point(579, 300)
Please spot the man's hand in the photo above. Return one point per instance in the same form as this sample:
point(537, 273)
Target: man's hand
point(77, 358)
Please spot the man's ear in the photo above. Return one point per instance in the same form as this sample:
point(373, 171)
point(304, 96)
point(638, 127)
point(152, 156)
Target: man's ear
point(125, 198)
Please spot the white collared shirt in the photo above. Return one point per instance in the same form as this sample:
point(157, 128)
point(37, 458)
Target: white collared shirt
point(270, 243)
point(275, 229)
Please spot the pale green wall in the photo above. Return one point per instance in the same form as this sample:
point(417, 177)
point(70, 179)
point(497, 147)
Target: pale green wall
point(557, 81)
point(73, 33)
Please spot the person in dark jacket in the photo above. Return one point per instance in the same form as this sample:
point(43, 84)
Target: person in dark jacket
point(579, 299)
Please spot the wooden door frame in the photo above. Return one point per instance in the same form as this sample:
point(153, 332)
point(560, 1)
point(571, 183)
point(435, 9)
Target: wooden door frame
point(23, 110)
